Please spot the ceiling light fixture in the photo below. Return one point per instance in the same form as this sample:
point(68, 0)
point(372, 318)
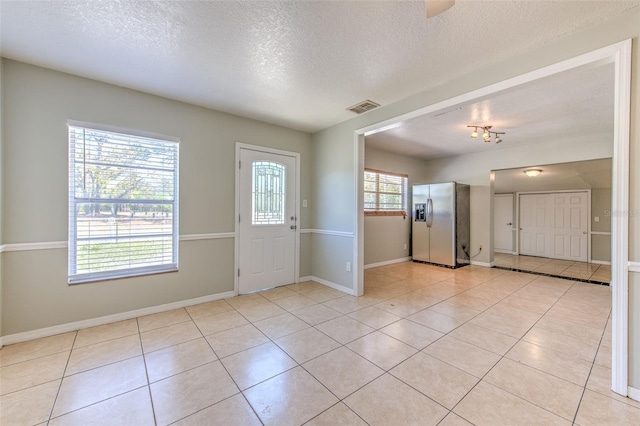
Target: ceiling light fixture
point(486, 133)
point(532, 172)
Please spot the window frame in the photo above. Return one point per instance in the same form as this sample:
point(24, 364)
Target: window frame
point(404, 194)
point(73, 277)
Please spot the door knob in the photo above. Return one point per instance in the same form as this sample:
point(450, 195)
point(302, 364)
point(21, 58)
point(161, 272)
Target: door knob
point(293, 227)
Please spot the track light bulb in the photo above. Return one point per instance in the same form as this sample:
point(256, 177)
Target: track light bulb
point(485, 131)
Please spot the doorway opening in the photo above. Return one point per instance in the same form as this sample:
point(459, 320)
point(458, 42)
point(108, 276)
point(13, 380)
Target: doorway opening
point(556, 223)
point(619, 55)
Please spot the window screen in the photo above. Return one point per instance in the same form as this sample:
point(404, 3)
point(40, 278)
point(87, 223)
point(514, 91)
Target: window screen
point(385, 192)
point(123, 205)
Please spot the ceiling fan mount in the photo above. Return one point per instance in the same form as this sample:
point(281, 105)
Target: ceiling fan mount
point(436, 7)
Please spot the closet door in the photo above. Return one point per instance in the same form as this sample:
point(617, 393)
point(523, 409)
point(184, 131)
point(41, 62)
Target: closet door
point(555, 225)
point(568, 231)
point(534, 225)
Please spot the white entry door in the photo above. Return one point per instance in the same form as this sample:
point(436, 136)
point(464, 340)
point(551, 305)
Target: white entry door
point(555, 225)
point(267, 220)
point(503, 223)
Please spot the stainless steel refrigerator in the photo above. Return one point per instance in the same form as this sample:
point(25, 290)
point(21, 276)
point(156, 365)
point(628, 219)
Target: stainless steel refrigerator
point(440, 232)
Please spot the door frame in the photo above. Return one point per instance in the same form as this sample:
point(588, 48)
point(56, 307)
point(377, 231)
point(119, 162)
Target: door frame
point(236, 262)
point(618, 53)
point(560, 191)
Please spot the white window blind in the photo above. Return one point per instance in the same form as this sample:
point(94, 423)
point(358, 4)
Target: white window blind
point(123, 205)
point(384, 192)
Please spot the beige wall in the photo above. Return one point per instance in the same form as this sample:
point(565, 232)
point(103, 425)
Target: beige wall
point(37, 104)
point(475, 170)
point(601, 208)
point(1, 198)
point(334, 180)
point(386, 236)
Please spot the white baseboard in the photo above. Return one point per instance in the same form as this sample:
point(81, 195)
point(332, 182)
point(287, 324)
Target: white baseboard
point(633, 393)
point(332, 285)
point(485, 264)
point(387, 262)
point(73, 326)
point(305, 279)
point(600, 262)
point(495, 250)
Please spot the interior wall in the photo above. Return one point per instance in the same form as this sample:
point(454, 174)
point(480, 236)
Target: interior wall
point(385, 236)
point(37, 104)
point(634, 216)
point(338, 143)
point(1, 197)
point(475, 169)
point(332, 209)
point(601, 208)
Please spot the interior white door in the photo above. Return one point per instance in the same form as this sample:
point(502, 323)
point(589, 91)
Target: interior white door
point(533, 225)
point(568, 226)
point(503, 223)
point(555, 225)
point(267, 220)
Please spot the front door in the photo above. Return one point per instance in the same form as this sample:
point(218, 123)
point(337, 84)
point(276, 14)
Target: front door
point(267, 220)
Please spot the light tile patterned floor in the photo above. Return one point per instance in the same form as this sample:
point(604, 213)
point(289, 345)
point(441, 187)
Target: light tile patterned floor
point(424, 345)
point(563, 268)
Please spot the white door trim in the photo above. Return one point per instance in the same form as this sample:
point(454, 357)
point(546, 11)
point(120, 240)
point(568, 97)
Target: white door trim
point(618, 53)
point(296, 155)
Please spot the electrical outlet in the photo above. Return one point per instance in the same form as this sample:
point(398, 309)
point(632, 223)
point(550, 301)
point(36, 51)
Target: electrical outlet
point(480, 246)
point(304, 203)
point(405, 246)
point(348, 266)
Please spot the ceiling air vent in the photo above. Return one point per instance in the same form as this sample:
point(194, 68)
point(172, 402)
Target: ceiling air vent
point(363, 106)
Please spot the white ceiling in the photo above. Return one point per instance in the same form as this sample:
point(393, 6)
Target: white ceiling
point(576, 104)
point(294, 63)
point(576, 175)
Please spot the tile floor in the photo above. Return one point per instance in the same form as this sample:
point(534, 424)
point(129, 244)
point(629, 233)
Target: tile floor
point(424, 346)
point(591, 272)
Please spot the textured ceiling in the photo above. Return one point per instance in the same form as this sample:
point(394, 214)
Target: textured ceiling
point(577, 175)
point(294, 63)
point(576, 104)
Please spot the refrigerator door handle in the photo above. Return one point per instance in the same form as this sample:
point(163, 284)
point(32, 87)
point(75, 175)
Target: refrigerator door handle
point(429, 213)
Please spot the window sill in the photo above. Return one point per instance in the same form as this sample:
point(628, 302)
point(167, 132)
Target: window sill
point(385, 213)
point(116, 275)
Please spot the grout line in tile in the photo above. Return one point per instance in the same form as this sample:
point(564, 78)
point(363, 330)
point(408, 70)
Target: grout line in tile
point(503, 356)
point(146, 372)
point(62, 378)
point(98, 402)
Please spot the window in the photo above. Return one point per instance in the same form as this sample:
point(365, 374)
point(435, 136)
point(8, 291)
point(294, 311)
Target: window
point(385, 193)
point(123, 204)
point(268, 190)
